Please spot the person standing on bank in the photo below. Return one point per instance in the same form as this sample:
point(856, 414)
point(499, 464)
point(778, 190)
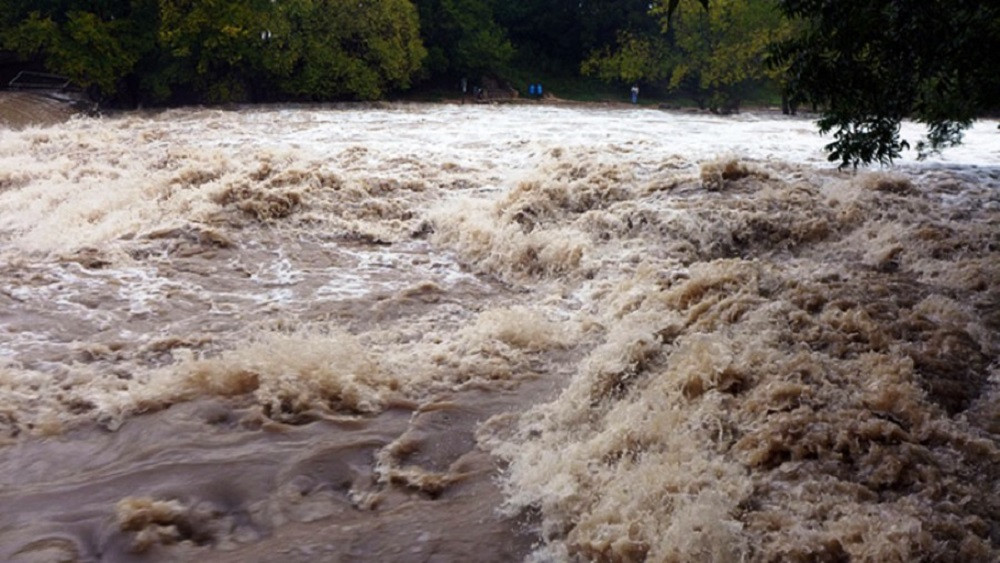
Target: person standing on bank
point(635, 93)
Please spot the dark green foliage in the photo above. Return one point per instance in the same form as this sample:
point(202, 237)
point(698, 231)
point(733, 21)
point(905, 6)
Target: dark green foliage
point(869, 64)
point(209, 46)
point(546, 33)
point(462, 38)
point(714, 56)
point(305, 49)
point(865, 64)
point(603, 21)
point(220, 50)
point(96, 44)
point(671, 7)
point(343, 48)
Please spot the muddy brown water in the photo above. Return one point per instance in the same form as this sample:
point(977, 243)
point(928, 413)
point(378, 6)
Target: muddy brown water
point(453, 333)
point(23, 109)
point(244, 489)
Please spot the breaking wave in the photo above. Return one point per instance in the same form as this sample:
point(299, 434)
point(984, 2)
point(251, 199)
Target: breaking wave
point(675, 348)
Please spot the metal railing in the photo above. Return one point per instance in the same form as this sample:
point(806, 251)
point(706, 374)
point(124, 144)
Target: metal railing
point(30, 80)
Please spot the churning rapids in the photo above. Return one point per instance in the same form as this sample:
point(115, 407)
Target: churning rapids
point(490, 333)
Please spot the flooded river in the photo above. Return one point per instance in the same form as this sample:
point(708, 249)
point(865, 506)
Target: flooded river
point(491, 333)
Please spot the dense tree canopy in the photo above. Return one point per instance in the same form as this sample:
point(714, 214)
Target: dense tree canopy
point(713, 55)
point(221, 50)
point(462, 37)
point(869, 64)
point(721, 51)
point(92, 43)
point(346, 48)
point(209, 46)
point(865, 64)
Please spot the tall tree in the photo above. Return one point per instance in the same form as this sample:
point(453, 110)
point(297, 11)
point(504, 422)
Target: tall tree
point(546, 33)
point(721, 51)
point(714, 55)
point(221, 50)
point(210, 46)
point(462, 37)
point(603, 22)
point(871, 63)
point(635, 57)
point(356, 49)
point(95, 44)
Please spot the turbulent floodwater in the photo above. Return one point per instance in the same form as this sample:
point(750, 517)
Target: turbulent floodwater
point(24, 109)
point(455, 333)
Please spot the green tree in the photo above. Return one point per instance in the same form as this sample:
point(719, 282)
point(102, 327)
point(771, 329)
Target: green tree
point(721, 51)
point(604, 22)
point(870, 64)
point(210, 47)
point(623, 42)
point(634, 58)
point(714, 55)
point(547, 34)
point(221, 50)
point(95, 44)
point(462, 37)
point(357, 49)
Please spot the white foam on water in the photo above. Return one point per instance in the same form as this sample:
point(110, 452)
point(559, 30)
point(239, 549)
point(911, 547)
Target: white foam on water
point(703, 287)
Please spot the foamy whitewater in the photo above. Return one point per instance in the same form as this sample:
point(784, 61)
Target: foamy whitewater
point(493, 333)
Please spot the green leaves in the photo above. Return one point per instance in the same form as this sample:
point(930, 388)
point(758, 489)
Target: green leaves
point(672, 7)
point(870, 64)
point(866, 64)
point(463, 37)
point(715, 55)
point(349, 49)
point(635, 58)
point(221, 50)
point(863, 141)
point(91, 50)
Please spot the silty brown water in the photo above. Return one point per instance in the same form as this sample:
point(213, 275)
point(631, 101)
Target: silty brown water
point(431, 333)
point(24, 109)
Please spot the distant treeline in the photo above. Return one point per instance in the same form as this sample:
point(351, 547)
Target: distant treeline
point(866, 64)
point(178, 51)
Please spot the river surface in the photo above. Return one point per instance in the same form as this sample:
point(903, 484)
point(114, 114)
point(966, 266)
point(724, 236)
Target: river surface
point(491, 333)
